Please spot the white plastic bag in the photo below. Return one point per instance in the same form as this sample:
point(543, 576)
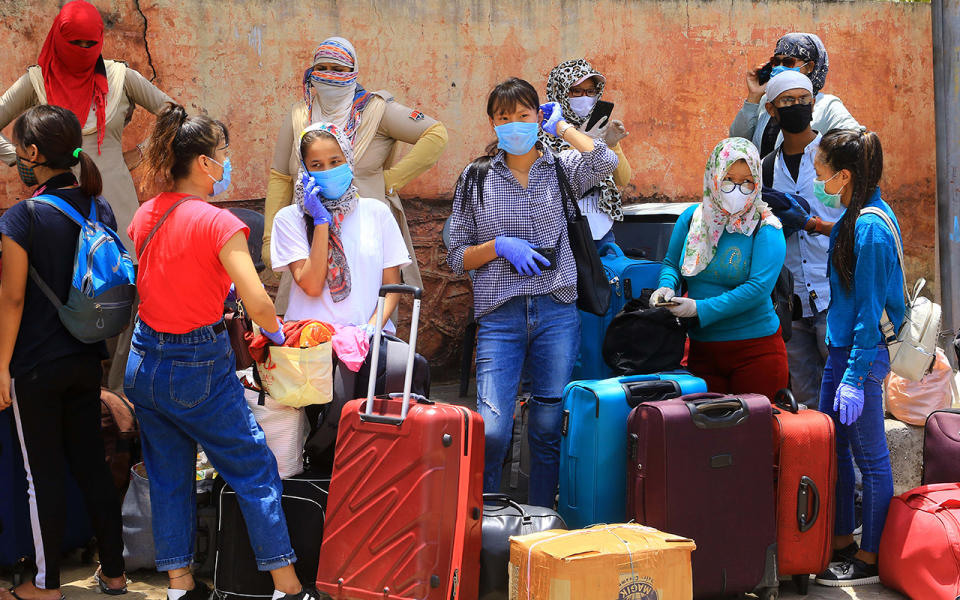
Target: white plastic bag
point(285, 428)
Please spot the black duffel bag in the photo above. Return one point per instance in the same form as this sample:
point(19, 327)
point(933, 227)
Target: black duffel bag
point(642, 340)
point(502, 518)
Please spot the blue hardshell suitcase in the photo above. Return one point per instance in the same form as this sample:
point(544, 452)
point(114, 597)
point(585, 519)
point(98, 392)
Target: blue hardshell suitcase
point(628, 277)
point(593, 446)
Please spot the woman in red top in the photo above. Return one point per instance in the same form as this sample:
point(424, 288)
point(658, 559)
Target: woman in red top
point(180, 371)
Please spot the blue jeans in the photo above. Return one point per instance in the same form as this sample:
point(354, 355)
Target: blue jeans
point(543, 334)
point(867, 440)
point(186, 392)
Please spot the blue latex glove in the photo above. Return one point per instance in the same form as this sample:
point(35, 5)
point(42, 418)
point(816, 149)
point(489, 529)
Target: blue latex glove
point(313, 202)
point(369, 329)
point(520, 253)
point(848, 403)
point(552, 113)
point(277, 336)
point(793, 211)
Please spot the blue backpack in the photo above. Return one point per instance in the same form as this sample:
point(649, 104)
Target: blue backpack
point(103, 287)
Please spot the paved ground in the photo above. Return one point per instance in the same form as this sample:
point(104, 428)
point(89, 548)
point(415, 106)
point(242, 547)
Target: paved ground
point(78, 582)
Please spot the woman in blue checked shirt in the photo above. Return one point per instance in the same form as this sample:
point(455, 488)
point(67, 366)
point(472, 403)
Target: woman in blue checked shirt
point(509, 226)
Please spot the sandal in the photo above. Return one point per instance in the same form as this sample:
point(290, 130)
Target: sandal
point(105, 589)
point(17, 596)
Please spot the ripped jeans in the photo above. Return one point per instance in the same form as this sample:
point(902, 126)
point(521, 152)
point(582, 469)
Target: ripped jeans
point(541, 336)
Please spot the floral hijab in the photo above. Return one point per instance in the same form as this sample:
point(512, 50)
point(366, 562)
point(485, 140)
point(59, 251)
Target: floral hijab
point(710, 220)
point(563, 77)
point(338, 271)
point(807, 46)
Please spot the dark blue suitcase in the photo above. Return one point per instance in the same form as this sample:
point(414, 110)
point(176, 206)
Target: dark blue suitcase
point(593, 446)
point(16, 534)
point(628, 277)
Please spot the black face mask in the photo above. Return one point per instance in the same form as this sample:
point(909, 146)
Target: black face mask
point(796, 118)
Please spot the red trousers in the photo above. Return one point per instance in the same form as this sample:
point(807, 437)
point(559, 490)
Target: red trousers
point(754, 366)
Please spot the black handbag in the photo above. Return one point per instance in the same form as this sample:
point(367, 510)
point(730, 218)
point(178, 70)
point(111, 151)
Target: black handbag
point(502, 518)
point(642, 340)
point(593, 286)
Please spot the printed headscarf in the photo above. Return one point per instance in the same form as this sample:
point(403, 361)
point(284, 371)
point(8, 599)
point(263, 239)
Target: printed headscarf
point(338, 271)
point(563, 77)
point(74, 77)
point(808, 47)
point(710, 220)
point(339, 97)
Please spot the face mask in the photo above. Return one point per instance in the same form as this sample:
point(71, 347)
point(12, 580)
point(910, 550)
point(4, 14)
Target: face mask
point(582, 105)
point(820, 191)
point(780, 69)
point(733, 202)
point(796, 118)
point(334, 182)
point(517, 137)
point(27, 175)
point(221, 186)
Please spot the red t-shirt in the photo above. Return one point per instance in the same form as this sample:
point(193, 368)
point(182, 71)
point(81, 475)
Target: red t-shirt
point(181, 281)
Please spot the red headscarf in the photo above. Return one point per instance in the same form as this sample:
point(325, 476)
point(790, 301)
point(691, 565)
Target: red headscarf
point(74, 76)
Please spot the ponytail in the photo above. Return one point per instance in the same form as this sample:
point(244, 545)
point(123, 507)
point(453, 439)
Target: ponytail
point(177, 140)
point(861, 154)
point(56, 133)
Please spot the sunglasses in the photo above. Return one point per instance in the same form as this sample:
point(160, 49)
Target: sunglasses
point(787, 61)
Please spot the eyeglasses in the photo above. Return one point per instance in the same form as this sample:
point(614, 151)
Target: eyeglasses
point(787, 61)
point(788, 101)
point(576, 92)
point(746, 187)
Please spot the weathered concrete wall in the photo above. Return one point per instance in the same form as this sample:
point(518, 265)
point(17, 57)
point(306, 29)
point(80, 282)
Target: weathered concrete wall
point(675, 70)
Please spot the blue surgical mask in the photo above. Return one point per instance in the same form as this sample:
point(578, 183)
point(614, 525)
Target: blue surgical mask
point(334, 182)
point(828, 200)
point(517, 137)
point(780, 69)
point(221, 186)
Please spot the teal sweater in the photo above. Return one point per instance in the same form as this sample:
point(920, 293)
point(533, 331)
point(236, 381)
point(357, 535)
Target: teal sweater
point(854, 316)
point(733, 292)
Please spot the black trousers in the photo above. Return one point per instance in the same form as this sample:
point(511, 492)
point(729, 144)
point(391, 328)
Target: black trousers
point(57, 412)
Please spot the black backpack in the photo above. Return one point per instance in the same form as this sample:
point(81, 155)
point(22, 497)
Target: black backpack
point(663, 339)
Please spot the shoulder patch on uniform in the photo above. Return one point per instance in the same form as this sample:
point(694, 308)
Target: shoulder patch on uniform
point(416, 115)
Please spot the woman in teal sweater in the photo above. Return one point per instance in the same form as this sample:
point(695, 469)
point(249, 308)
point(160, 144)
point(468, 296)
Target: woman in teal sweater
point(729, 250)
point(866, 279)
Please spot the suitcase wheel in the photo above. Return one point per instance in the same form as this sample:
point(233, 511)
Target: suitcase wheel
point(803, 584)
point(770, 593)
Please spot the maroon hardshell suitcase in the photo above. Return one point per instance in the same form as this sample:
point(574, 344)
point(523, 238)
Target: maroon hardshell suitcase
point(941, 447)
point(700, 467)
point(404, 514)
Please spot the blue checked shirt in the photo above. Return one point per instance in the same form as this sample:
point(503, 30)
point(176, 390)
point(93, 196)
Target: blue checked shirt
point(534, 214)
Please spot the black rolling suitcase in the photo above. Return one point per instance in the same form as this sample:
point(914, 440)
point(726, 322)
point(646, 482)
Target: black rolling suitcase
point(236, 576)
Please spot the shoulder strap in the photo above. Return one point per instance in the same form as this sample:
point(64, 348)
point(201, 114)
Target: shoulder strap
point(64, 207)
point(566, 192)
point(766, 167)
point(153, 231)
point(872, 210)
point(31, 210)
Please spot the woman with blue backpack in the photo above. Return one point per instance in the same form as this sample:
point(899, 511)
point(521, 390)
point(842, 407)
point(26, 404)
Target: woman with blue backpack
point(49, 377)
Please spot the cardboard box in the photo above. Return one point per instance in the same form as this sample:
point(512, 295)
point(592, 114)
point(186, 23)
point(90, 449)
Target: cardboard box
point(605, 562)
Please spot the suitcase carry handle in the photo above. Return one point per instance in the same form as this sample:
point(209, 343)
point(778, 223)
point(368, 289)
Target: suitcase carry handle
point(610, 248)
point(650, 391)
point(786, 400)
point(807, 490)
point(368, 414)
point(711, 414)
point(505, 499)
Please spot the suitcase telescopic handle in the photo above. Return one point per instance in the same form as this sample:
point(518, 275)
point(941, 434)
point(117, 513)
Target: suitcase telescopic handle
point(786, 400)
point(807, 495)
point(368, 414)
point(714, 414)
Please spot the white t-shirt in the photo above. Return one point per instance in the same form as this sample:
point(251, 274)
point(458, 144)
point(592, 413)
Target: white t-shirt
point(600, 222)
point(371, 241)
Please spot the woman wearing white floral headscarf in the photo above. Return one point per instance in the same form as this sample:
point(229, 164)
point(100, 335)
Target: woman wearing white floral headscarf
point(373, 122)
point(729, 250)
point(577, 87)
point(338, 246)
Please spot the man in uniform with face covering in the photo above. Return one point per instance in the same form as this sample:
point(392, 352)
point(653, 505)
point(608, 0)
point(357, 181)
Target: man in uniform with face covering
point(791, 104)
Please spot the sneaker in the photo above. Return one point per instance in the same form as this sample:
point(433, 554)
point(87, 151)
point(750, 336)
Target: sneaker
point(305, 594)
point(845, 554)
point(200, 591)
point(849, 573)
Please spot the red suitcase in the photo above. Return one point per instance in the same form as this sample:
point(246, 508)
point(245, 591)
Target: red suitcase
point(405, 507)
point(920, 546)
point(805, 475)
point(700, 468)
